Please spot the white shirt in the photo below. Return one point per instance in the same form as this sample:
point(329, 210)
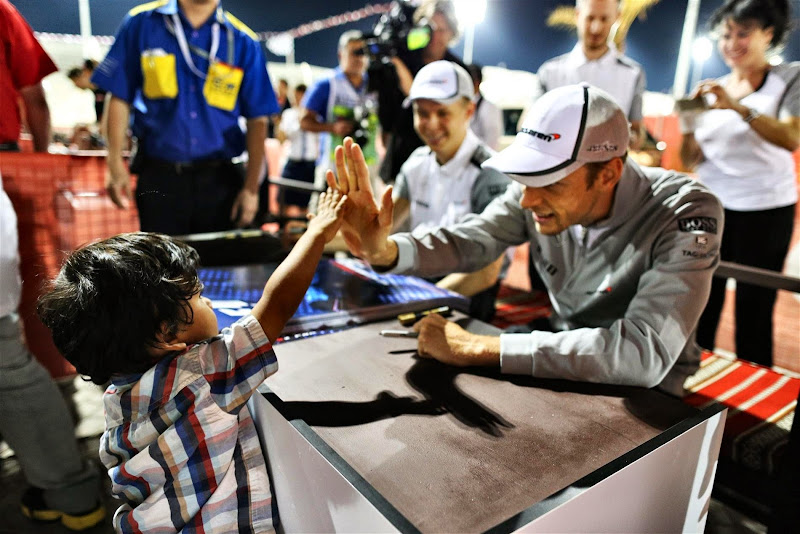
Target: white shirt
point(744, 170)
point(487, 122)
point(10, 282)
point(615, 73)
point(303, 145)
point(439, 195)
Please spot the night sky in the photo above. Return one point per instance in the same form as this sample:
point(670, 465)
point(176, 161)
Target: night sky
point(513, 33)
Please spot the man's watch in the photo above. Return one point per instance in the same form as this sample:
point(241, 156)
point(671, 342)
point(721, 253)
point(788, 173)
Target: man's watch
point(752, 115)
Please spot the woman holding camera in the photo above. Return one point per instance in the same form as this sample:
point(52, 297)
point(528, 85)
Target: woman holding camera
point(741, 148)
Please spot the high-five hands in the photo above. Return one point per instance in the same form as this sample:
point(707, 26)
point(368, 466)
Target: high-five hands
point(329, 216)
point(366, 226)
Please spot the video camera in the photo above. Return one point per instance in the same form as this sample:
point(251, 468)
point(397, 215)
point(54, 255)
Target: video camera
point(361, 116)
point(396, 32)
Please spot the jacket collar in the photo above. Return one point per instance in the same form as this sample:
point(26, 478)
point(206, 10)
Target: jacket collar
point(577, 57)
point(171, 7)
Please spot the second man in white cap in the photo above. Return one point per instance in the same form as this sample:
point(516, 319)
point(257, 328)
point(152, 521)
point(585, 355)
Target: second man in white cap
point(442, 182)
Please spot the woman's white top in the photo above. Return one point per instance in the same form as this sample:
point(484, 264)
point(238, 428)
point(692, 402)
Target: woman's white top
point(747, 172)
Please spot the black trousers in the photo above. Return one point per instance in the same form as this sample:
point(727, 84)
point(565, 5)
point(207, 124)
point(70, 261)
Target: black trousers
point(757, 239)
point(298, 170)
point(786, 500)
point(177, 200)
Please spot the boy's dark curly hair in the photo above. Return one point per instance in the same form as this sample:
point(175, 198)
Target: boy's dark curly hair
point(113, 297)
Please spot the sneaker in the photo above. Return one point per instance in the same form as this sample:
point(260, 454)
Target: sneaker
point(34, 507)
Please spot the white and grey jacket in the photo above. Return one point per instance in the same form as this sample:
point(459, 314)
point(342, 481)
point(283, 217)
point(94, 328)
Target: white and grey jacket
point(626, 298)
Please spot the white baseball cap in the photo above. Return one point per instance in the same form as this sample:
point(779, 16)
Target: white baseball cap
point(442, 81)
point(564, 129)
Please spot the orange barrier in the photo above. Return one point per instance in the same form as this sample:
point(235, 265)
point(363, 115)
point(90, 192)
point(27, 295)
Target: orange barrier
point(60, 203)
point(274, 150)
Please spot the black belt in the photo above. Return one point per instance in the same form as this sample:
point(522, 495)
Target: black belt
point(179, 167)
point(11, 146)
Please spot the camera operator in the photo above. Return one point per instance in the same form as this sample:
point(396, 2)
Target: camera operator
point(341, 106)
point(395, 66)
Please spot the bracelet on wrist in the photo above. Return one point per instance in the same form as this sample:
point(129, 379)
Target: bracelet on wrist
point(752, 115)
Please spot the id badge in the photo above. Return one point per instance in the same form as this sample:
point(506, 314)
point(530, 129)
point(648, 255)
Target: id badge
point(222, 85)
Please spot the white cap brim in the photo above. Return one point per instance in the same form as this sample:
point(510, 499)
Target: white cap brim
point(531, 167)
point(446, 101)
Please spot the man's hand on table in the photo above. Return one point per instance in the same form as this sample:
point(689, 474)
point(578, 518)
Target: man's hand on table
point(448, 343)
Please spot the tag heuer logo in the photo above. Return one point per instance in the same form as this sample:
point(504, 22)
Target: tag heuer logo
point(698, 224)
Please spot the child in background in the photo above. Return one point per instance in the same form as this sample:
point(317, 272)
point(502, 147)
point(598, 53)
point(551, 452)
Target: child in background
point(180, 446)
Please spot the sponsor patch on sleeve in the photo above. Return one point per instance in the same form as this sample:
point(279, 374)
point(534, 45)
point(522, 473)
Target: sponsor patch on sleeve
point(698, 224)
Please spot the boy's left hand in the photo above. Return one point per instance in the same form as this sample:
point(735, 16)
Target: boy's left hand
point(330, 211)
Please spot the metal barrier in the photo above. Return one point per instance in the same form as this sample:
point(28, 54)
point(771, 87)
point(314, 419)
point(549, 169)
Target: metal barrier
point(758, 277)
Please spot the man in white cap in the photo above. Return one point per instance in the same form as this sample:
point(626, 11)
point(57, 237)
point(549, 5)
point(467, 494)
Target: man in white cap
point(627, 253)
point(442, 181)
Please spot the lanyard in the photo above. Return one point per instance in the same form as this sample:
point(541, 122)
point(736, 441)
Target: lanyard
point(175, 27)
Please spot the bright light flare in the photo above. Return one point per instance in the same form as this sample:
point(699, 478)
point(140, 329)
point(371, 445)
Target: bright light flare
point(701, 49)
point(775, 60)
point(470, 12)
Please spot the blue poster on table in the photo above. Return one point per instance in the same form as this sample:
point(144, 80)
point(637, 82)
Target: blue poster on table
point(343, 293)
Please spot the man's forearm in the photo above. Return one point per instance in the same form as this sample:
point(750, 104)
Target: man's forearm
point(118, 116)
point(38, 116)
point(310, 123)
point(386, 258)
point(256, 164)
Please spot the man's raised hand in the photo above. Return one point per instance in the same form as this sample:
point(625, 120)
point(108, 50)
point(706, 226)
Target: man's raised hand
point(366, 226)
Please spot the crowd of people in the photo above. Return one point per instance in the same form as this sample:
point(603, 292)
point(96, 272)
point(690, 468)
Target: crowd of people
point(407, 151)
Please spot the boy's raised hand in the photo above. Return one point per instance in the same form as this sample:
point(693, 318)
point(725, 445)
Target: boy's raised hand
point(330, 211)
point(366, 226)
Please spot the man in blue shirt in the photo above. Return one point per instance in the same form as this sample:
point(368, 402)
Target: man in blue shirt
point(187, 71)
point(340, 105)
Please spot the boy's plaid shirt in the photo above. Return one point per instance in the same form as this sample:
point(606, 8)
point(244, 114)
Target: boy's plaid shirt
point(180, 446)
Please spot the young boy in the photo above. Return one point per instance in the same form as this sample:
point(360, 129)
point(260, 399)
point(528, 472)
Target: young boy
point(180, 445)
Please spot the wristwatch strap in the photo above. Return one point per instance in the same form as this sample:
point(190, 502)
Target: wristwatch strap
point(752, 115)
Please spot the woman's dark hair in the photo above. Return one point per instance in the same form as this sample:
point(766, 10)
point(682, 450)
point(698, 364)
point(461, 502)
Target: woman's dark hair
point(775, 14)
point(114, 297)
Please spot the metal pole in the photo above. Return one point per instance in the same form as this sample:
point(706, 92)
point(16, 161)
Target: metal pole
point(86, 27)
point(469, 38)
point(697, 73)
point(685, 52)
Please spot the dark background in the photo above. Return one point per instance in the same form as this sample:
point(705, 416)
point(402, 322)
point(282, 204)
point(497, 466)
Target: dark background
point(513, 34)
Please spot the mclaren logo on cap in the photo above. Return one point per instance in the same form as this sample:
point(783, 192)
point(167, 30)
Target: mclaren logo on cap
point(434, 81)
point(539, 135)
